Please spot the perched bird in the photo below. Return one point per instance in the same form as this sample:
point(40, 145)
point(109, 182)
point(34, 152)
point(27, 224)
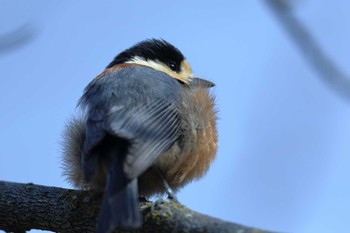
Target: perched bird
point(147, 126)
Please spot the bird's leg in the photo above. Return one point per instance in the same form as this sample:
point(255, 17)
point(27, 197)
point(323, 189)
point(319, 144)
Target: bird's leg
point(168, 189)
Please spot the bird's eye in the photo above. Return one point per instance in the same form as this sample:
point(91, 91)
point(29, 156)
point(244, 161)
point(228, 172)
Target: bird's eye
point(173, 66)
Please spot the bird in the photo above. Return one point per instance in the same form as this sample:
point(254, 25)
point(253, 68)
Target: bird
point(146, 126)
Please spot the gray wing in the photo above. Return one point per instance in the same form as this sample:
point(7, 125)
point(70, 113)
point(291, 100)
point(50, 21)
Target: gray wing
point(135, 106)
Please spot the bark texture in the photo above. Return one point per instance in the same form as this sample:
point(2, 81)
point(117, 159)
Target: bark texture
point(27, 206)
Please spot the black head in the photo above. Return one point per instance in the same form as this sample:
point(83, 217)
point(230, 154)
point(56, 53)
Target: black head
point(153, 49)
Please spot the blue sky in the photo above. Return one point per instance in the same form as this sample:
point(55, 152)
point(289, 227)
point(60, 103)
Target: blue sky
point(284, 155)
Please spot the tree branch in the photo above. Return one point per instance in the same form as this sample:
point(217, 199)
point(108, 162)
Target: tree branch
point(28, 206)
point(328, 71)
point(17, 38)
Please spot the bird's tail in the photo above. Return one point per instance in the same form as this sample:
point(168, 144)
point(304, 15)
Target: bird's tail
point(120, 207)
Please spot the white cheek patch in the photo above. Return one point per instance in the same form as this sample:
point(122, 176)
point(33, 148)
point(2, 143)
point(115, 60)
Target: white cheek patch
point(185, 75)
point(157, 65)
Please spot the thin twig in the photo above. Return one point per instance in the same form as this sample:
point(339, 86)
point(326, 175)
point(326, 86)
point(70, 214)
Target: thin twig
point(328, 71)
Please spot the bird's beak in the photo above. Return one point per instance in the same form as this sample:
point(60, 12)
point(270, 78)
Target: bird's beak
point(201, 82)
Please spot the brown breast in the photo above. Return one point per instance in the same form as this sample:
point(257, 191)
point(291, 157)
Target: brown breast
point(189, 158)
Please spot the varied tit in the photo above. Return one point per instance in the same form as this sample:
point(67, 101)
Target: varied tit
point(147, 125)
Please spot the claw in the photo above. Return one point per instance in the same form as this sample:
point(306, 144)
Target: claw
point(158, 201)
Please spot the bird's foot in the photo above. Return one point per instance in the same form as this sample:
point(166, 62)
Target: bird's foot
point(168, 190)
point(161, 200)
